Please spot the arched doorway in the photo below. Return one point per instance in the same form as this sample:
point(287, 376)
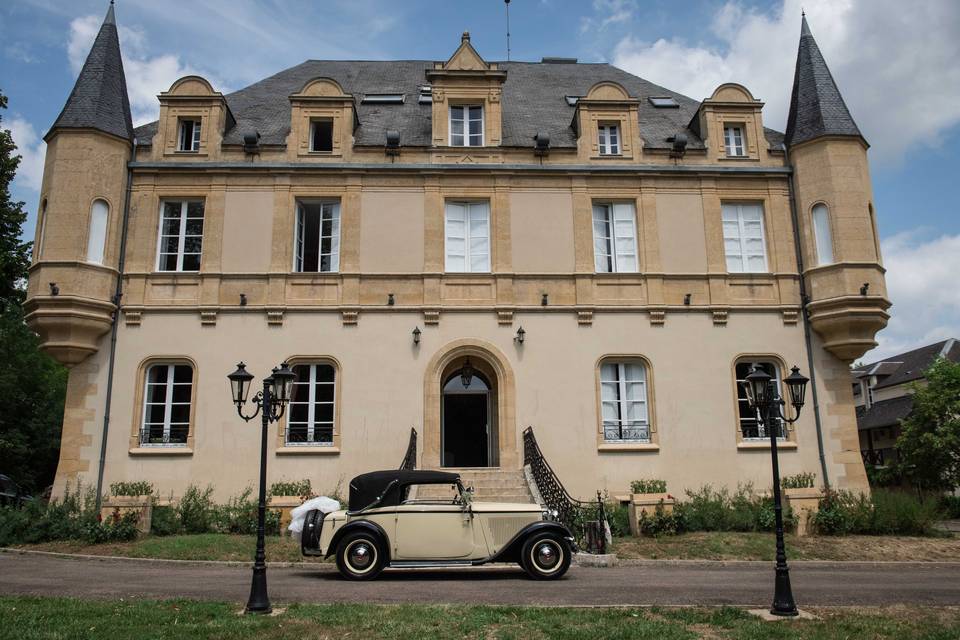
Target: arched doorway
point(468, 417)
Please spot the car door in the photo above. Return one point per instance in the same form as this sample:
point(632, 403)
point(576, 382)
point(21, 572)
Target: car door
point(431, 526)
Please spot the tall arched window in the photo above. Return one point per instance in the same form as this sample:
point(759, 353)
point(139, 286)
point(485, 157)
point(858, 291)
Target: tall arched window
point(98, 231)
point(41, 228)
point(821, 233)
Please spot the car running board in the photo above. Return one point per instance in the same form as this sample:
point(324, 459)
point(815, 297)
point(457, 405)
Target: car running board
point(430, 564)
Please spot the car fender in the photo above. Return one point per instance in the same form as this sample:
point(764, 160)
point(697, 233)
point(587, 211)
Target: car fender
point(359, 525)
point(511, 551)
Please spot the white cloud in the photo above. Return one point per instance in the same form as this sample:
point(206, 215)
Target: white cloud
point(609, 12)
point(897, 68)
point(32, 150)
point(146, 75)
point(922, 284)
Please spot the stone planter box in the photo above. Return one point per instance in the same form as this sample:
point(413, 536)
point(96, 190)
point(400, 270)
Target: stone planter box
point(142, 505)
point(805, 503)
point(647, 502)
point(284, 504)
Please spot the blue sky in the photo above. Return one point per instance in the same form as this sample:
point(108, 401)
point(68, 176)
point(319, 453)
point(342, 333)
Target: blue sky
point(897, 70)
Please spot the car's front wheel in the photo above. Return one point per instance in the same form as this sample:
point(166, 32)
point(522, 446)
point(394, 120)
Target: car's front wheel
point(545, 556)
point(360, 556)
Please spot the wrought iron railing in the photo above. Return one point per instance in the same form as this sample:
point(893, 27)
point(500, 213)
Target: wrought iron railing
point(586, 520)
point(409, 462)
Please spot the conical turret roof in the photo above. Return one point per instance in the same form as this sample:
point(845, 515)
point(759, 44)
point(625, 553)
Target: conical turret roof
point(816, 106)
point(99, 98)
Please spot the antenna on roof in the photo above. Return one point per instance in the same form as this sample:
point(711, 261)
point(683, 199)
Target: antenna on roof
point(507, 3)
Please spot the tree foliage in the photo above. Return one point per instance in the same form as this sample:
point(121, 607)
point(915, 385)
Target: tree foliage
point(14, 254)
point(929, 442)
point(32, 384)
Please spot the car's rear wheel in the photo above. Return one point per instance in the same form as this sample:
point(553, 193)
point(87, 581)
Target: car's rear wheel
point(545, 556)
point(360, 556)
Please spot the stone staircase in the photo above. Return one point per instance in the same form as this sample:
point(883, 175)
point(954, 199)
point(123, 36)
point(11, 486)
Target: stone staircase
point(489, 485)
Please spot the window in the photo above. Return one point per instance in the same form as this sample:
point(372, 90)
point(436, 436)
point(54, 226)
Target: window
point(468, 237)
point(42, 224)
point(189, 135)
point(181, 236)
point(609, 139)
point(466, 126)
point(615, 238)
point(98, 231)
point(318, 237)
point(321, 135)
point(167, 396)
point(623, 398)
point(664, 102)
point(750, 427)
point(426, 95)
point(383, 98)
point(821, 233)
point(310, 421)
point(733, 140)
point(743, 238)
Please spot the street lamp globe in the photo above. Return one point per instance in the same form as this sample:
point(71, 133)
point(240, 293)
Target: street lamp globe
point(283, 379)
point(757, 387)
point(797, 384)
point(240, 384)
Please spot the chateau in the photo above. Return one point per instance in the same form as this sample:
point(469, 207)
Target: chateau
point(464, 247)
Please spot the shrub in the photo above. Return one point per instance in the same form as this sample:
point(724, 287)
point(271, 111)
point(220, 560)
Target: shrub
point(651, 485)
point(195, 509)
point(800, 481)
point(164, 522)
point(884, 512)
point(239, 515)
point(293, 488)
point(745, 510)
point(139, 488)
point(618, 516)
point(662, 522)
point(116, 528)
point(950, 506)
point(39, 521)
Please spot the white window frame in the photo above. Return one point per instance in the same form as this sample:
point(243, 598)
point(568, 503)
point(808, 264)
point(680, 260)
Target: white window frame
point(741, 397)
point(734, 140)
point(181, 236)
point(822, 233)
point(168, 405)
point(195, 142)
point(743, 254)
point(622, 227)
point(470, 241)
point(608, 139)
point(312, 403)
point(621, 386)
point(335, 237)
point(466, 124)
point(97, 231)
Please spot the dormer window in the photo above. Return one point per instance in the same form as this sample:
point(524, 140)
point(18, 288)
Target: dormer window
point(189, 135)
point(733, 141)
point(466, 126)
point(321, 135)
point(609, 139)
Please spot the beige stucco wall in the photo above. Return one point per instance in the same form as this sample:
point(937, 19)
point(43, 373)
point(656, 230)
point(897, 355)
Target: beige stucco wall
point(247, 224)
point(680, 223)
point(541, 228)
point(391, 231)
point(381, 380)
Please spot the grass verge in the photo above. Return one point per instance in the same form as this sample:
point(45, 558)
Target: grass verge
point(50, 618)
point(760, 546)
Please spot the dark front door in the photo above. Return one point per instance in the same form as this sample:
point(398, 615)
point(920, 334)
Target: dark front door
point(466, 424)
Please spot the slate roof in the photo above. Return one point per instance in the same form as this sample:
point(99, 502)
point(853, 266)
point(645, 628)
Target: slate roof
point(885, 413)
point(816, 106)
point(534, 100)
point(99, 98)
point(909, 366)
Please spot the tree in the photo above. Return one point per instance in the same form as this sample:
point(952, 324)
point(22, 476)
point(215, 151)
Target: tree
point(14, 254)
point(929, 442)
point(32, 384)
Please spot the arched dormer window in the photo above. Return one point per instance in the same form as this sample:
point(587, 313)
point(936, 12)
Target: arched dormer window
point(821, 233)
point(96, 240)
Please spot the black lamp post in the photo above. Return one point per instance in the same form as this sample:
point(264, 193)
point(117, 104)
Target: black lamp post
point(764, 397)
point(271, 402)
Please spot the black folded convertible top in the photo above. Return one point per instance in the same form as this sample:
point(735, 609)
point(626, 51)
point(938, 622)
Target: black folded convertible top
point(367, 487)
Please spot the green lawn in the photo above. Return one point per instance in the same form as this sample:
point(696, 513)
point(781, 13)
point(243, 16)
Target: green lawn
point(56, 618)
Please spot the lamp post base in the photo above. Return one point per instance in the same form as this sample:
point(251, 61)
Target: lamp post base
point(783, 604)
point(258, 602)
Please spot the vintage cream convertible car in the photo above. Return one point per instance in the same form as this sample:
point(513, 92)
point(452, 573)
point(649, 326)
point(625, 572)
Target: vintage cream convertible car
point(427, 519)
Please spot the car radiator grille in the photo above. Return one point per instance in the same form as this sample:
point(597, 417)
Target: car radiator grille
point(503, 528)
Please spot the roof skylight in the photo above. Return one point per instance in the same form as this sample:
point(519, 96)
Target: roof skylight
point(383, 98)
point(663, 101)
point(572, 100)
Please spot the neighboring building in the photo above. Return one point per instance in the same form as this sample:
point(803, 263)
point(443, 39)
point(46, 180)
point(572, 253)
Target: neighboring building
point(652, 248)
point(883, 393)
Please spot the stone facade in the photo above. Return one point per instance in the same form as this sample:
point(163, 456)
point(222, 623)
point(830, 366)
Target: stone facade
point(681, 315)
